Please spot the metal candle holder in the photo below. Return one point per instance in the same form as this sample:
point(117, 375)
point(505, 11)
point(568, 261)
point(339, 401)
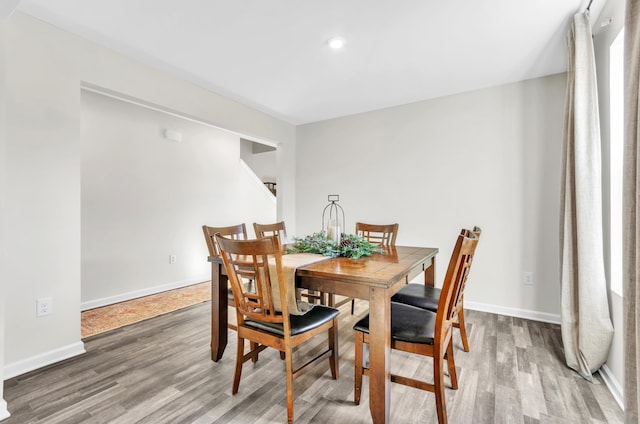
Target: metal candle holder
point(335, 211)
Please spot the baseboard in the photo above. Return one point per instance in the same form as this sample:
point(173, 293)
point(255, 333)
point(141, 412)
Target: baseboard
point(26, 365)
point(513, 312)
point(613, 385)
point(4, 412)
point(90, 304)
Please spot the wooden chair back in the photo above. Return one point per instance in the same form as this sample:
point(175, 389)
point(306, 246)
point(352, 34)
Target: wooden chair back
point(383, 235)
point(248, 259)
point(476, 232)
point(236, 232)
point(279, 229)
point(452, 288)
point(265, 230)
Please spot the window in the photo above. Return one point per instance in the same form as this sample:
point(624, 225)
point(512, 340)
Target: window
point(616, 128)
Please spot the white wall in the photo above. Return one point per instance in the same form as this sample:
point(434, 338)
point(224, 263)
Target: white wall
point(145, 198)
point(42, 197)
point(45, 68)
point(603, 37)
point(489, 157)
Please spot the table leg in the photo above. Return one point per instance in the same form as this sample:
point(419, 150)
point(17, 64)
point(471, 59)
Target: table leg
point(379, 354)
point(430, 273)
point(219, 302)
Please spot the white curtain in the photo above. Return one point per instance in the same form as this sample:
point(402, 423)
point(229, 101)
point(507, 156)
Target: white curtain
point(631, 218)
point(586, 325)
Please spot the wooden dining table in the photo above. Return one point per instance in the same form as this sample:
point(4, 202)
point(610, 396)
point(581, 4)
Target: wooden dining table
point(374, 278)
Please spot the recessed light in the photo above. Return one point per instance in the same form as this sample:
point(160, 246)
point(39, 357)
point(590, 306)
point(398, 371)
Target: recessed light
point(336, 43)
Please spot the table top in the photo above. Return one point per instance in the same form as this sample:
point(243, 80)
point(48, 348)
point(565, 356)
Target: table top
point(379, 269)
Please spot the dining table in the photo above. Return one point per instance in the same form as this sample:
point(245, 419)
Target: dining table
point(374, 278)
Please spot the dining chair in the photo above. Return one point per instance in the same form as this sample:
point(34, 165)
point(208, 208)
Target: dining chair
point(424, 332)
point(381, 235)
point(258, 320)
point(426, 297)
point(264, 230)
point(278, 228)
point(236, 232)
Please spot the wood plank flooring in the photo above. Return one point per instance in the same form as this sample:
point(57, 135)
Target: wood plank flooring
point(159, 371)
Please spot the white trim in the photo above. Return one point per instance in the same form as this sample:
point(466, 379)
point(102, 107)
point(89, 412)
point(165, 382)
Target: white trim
point(90, 304)
point(43, 359)
point(4, 412)
point(613, 385)
point(513, 312)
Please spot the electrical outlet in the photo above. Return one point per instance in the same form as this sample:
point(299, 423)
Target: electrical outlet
point(528, 278)
point(44, 306)
point(172, 259)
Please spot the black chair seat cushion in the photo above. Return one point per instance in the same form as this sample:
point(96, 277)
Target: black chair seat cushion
point(315, 317)
point(420, 295)
point(408, 324)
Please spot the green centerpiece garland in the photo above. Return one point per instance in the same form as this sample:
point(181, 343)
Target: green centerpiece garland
point(350, 246)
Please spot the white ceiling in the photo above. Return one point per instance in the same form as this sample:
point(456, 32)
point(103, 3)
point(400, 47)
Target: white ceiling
point(273, 54)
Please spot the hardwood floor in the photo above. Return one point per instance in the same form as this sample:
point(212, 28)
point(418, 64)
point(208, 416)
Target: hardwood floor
point(159, 371)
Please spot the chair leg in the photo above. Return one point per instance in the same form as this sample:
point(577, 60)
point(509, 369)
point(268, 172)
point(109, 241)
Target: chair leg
point(253, 346)
point(353, 304)
point(239, 362)
point(452, 366)
point(463, 330)
point(333, 346)
point(359, 342)
point(289, 367)
point(438, 382)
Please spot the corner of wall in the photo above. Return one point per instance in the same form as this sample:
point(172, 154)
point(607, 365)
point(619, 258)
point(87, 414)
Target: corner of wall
point(613, 385)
